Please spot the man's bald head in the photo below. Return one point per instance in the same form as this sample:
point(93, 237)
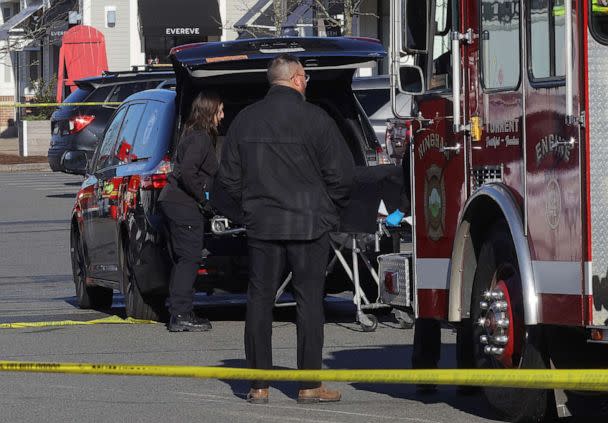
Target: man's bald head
point(287, 70)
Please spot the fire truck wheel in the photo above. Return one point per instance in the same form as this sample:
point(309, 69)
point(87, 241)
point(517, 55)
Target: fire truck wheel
point(88, 296)
point(500, 338)
point(137, 305)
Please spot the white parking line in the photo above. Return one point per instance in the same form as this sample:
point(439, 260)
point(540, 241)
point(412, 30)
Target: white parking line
point(56, 189)
point(372, 417)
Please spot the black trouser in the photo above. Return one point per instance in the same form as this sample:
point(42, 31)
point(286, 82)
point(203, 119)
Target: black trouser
point(307, 260)
point(186, 231)
point(427, 344)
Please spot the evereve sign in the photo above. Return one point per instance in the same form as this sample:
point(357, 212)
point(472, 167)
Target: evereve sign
point(182, 31)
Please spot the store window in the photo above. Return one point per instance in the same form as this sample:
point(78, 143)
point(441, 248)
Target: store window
point(599, 20)
point(157, 48)
point(7, 13)
point(34, 65)
point(546, 29)
point(500, 34)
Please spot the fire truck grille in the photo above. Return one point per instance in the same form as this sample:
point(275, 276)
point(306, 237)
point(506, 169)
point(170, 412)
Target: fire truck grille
point(485, 175)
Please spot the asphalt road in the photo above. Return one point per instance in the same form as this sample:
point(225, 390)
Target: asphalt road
point(36, 285)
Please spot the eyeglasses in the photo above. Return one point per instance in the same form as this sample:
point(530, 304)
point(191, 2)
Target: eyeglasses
point(306, 76)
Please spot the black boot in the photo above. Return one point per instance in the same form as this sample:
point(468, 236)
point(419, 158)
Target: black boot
point(188, 323)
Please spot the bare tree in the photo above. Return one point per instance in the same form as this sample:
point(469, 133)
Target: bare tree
point(37, 29)
point(352, 9)
point(324, 9)
point(280, 14)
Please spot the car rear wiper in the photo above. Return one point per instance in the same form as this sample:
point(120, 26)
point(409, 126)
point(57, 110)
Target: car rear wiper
point(139, 159)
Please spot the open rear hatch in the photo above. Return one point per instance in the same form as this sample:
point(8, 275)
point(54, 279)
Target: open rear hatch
point(237, 71)
point(207, 59)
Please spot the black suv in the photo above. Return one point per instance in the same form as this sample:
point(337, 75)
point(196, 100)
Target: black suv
point(76, 130)
point(117, 231)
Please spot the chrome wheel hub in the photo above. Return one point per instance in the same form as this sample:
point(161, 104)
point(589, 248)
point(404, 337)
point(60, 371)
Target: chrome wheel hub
point(495, 322)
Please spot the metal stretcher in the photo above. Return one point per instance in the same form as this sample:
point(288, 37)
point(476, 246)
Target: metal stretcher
point(360, 232)
point(358, 244)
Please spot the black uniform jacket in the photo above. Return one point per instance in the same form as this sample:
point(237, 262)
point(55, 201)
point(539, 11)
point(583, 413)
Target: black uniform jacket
point(194, 167)
point(286, 162)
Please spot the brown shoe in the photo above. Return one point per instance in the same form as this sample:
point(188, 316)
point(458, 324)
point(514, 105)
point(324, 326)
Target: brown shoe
point(321, 394)
point(258, 396)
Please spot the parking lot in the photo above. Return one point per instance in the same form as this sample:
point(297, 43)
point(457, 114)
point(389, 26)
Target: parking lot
point(36, 285)
point(36, 281)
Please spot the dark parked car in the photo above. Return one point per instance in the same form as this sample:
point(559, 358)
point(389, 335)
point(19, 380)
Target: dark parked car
point(117, 231)
point(77, 129)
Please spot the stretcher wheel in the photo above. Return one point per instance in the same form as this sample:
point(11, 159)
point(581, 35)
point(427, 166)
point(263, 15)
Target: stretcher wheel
point(404, 324)
point(403, 318)
point(366, 326)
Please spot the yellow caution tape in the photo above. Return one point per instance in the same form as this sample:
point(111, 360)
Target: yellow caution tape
point(581, 380)
point(106, 320)
point(96, 103)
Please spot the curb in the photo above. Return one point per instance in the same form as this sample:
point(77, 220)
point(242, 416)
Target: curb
point(25, 167)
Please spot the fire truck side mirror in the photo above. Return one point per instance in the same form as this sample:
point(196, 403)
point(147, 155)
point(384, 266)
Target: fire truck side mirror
point(411, 79)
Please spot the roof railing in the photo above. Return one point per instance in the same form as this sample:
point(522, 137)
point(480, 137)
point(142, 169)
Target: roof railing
point(140, 68)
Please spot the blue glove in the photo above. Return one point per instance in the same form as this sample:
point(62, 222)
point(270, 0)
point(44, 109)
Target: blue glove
point(394, 219)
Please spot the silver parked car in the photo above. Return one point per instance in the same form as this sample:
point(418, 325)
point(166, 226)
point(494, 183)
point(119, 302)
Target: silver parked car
point(374, 96)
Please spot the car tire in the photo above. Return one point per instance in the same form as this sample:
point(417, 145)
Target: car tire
point(88, 296)
point(137, 305)
point(498, 270)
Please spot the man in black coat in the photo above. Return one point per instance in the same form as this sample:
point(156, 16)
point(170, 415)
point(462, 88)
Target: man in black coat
point(288, 165)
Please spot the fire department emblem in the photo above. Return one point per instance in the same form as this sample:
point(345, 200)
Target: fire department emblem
point(434, 207)
point(553, 203)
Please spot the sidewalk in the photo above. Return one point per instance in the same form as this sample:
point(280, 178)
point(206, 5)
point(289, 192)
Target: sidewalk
point(10, 161)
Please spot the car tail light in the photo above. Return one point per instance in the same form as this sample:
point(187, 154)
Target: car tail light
point(154, 181)
point(134, 183)
point(78, 123)
point(158, 179)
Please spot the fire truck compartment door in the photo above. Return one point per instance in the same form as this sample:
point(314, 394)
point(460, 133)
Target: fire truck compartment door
point(596, 277)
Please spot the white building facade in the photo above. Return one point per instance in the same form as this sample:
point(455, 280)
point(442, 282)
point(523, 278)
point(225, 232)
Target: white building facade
point(139, 32)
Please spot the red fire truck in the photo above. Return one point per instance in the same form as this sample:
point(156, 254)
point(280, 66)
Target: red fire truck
point(509, 173)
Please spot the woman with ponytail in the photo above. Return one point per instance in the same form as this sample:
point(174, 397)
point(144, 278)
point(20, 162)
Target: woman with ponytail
point(182, 199)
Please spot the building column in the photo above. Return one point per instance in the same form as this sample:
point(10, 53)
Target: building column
point(137, 55)
point(85, 11)
point(224, 17)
